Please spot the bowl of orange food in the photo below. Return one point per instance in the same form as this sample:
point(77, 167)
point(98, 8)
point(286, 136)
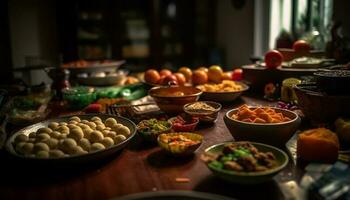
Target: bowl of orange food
point(269, 125)
point(181, 143)
point(171, 99)
point(225, 91)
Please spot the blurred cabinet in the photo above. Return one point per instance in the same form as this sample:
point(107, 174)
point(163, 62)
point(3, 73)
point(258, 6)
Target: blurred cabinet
point(146, 33)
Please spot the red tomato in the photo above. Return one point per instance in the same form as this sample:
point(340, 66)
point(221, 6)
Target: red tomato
point(152, 76)
point(165, 72)
point(237, 74)
point(273, 59)
point(181, 79)
point(301, 46)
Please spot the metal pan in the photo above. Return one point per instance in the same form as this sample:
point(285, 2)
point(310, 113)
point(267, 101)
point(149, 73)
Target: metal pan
point(77, 159)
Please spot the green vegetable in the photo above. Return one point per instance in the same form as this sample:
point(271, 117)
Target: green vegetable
point(216, 164)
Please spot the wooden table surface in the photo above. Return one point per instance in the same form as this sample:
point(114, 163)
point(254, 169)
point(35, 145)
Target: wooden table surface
point(138, 168)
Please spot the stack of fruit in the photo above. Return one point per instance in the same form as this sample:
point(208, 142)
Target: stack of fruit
point(201, 75)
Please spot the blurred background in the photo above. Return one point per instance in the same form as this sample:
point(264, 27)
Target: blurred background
point(159, 33)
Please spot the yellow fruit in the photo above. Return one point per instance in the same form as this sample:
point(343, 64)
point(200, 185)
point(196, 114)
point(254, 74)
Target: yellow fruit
point(215, 73)
point(187, 72)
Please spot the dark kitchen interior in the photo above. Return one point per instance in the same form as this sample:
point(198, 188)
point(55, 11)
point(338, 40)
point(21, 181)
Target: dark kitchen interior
point(175, 99)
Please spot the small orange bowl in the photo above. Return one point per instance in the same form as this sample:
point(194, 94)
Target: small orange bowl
point(171, 99)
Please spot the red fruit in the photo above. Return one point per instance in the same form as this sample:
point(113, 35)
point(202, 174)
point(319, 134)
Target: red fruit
point(165, 72)
point(181, 79)
point(152, 76)
point(301, 46)
point(273, 59)
point(237, 74)
point(199, 77)
point(170, 79)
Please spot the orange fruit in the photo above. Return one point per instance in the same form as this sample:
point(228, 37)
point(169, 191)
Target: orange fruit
point(203, 68)
point(187, 72)
point(181, 79)
point(226, 76)
point(152, 76)
point(199, 77)
point(215, 73)
point(165, 72)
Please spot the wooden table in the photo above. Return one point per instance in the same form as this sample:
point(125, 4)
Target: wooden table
point(137, 169)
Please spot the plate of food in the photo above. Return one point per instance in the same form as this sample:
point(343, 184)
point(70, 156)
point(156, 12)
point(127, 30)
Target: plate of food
point(150, 129)
point(102, 78)
point(225, 91)
point(245, 162)
point(180, 143)
point(72, 139)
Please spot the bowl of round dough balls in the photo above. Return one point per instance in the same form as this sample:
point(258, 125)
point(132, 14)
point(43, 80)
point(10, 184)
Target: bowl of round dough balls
point(72, 137)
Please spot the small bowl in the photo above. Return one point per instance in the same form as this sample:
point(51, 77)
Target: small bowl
point(276, 134)
point(79, 97)
point(184, 127)
point(334, 82)
point(224, 96)
point(249, 177)
point(210, 116)
point(181, 150)
point(152, 136)
point(171, 99)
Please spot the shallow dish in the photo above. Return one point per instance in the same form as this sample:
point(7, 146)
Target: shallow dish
point(276, 134)
point(224, 96)
point(171, 99)
point(103, 81)
point(74, 159)
point(187, 127)
point(209, 116)
point(249, 177)
point(150, 136)
point(181, 150)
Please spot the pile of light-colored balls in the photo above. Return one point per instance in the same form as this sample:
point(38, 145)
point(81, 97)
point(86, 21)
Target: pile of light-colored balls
point(76, 137)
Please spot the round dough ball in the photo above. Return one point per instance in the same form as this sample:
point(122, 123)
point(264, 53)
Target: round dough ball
point(111, 134)
point(96, 136)
point(62, 136)
point(63, 123)
point(77, 150)
point(72, 126)
point(55, 134)
point(75, 118)
point(76, 134)
point(73, 122)
point(67, 145)
point(40, 146)
point(105, 132)
point(44, 130)
point(63, 129)
point(108, 128)
point(97, 146)
point(87, 132)
point(100, 127)
point(119, 138)
point(52, 143)
point(85, 144)
point(21, 138)
point(107, 142)
point(92, 125)
point(123, 130)
point(56, 153)
point(32, 135)
point(42, 137)
point(84, 126)
point(53, 125)
point(110, 122)
point(27, 148)
point(84, 121)
point(95, 118)
point(115, 127)
point(19, 147)
point(42, 154)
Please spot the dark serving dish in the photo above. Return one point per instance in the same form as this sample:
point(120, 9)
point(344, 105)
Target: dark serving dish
point(334, 82)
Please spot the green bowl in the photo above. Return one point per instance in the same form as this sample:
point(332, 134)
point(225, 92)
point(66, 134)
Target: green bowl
point(79, 97)
point(249, 177)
